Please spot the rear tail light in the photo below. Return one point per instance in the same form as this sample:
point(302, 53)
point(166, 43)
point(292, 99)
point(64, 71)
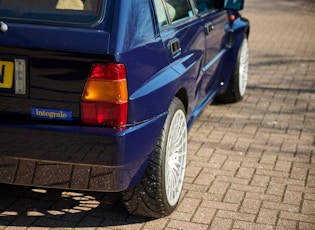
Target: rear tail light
point(104, 99)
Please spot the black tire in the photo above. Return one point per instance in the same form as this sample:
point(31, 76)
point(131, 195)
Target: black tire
point(152, 196)
point(238, 81)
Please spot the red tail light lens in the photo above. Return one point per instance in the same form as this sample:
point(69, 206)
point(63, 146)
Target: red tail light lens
point(109, 71)
point(104, 99)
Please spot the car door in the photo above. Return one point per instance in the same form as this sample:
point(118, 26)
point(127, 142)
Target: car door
point(214, 21)
point(182, 33)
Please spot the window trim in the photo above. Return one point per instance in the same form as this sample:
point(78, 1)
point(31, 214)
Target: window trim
point(42, 21)
point(170, 23)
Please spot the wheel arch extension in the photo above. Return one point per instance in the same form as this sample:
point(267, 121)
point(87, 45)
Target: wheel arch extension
point(183, 96)
point(247, 31)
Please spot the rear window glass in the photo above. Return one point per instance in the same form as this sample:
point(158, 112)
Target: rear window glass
point(69, 12)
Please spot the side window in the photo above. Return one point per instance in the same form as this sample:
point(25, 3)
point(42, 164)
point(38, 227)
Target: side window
point(178, 9)
point(160, 11)
point(172, 9)
point(68, 12)
point(204, 5)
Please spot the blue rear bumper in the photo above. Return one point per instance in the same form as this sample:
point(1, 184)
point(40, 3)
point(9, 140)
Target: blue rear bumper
point(76, 157)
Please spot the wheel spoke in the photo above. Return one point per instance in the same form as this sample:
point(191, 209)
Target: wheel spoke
point(181, 146)
point(176, 172)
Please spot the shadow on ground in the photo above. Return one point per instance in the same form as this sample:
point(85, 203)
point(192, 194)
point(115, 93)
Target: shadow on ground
point(30, 207)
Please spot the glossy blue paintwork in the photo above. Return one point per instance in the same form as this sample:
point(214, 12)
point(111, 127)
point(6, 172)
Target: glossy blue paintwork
point(43, 37)
point(120, 153)
point(59, 60)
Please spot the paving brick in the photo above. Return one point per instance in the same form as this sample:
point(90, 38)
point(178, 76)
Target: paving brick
point(241, 157)
point(276, 188)
point(272, 173)
point(280, 206)
point(205, 128)
point(126, 226)
point(204, 215)
point(89, 221)
point(156, 224)
point(231, 165)
point(219, 187)
point(194, 146)
point(262, 136)
point(309, 196)
point(308, 207)
point(305, 149)
point(245, 172)
point(284, 166)
point(299, 173)
point(234, 196)
point(216, 135)
point(217, 160)
point(264, 197)
point(186, 225)
point(248, 188)
point(288, 182)
point(189, 205)
point(267, 216)
point(301, 189)
point(300, 158)
point(242, 144)
point(15, 228)
point(205, 195)
point(311, 181)
point(259, 180)
point(251, 206)
point(291, 197)
point(221, 223)
point(236, 215)
point(182, 216)
point(235, 180)
point(202, 164)
point(195, 187)
point(192, 171)
point(44, 222)
point(286, 224)
point(249, 129)
point(257, 165)
point(306, 226)
point(249, 225)
point(297, 216)
point(204, 179)
point(205, 151)
point(220, 205)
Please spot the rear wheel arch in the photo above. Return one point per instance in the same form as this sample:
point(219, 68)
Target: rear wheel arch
point(182, 95)
point(159, 190)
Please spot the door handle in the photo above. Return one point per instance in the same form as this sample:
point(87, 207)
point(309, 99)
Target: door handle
point(174, 46)
point(209, 27)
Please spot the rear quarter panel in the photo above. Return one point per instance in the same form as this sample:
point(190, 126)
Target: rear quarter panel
point(154, 76)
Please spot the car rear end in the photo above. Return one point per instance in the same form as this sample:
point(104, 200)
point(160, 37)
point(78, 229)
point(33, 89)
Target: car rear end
point(64, 99)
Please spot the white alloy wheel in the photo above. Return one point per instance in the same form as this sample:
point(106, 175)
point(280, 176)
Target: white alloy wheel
point(243, 68)
point(238, 81)
point(175, 160)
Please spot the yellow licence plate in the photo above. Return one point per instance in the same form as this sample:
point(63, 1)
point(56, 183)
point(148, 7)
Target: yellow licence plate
point(6, 74)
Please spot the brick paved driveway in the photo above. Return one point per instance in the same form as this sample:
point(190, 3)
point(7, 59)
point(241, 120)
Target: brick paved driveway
point(251, 165)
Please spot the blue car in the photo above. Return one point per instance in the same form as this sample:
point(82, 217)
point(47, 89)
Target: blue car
point(99, 94)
